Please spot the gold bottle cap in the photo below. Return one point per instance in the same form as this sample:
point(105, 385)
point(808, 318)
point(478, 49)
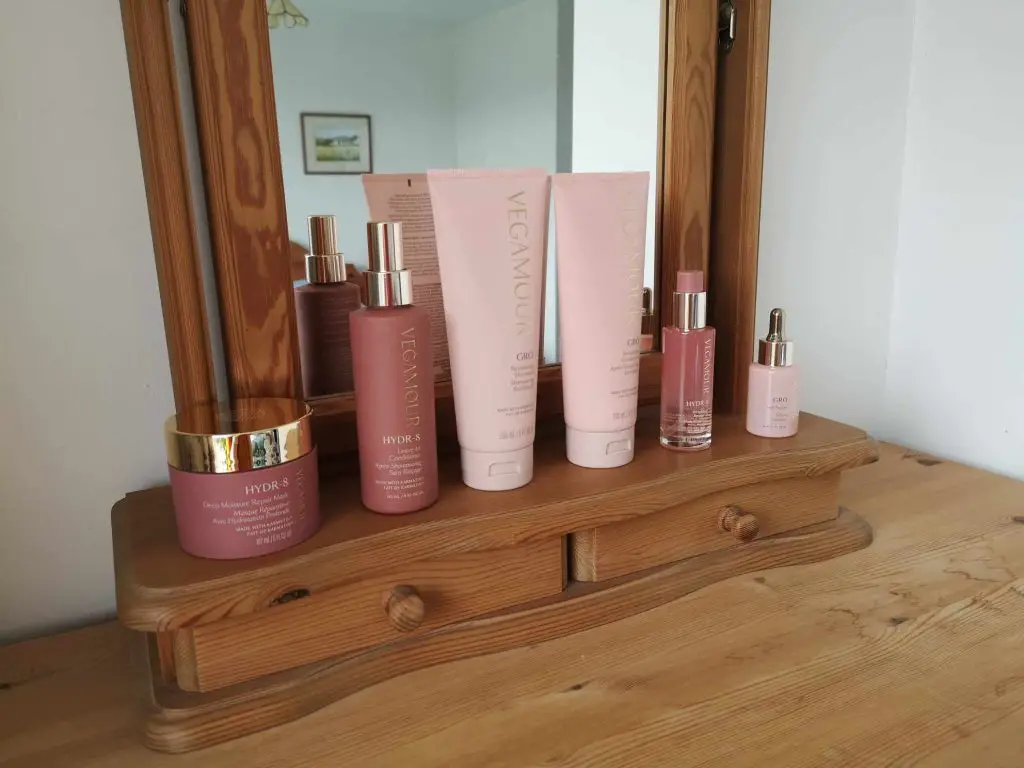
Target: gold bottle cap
point(323, 262)
point(689, 301)
point(388, 282)
point(239, 436)
point(775, 350)
point(689, 311)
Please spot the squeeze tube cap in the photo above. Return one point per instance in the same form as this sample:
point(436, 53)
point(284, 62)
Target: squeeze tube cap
point(599, 450)
point(499, 471)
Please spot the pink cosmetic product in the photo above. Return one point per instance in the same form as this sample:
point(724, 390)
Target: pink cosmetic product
point(323, 305)
point(394, 373)
point(688, 368)
point(404, 197)
point(600, 228)
point(491, 228)
point(773, 389)
point(243, 477)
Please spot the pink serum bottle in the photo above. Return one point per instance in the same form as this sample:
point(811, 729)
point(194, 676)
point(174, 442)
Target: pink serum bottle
point(688, 368)
point(394, 375)
point(773, 390)
point(323, 305)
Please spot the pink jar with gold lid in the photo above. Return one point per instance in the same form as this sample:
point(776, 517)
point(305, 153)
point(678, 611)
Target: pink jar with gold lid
point(243, 477)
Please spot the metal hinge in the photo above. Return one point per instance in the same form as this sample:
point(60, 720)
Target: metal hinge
point(726, 25)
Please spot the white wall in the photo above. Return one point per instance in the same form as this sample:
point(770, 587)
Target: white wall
point(398, 70)
point(505, 67)
point(893, 218)
point(616, 93)
point(955, 383)
point(838, 77)
point(85, 385)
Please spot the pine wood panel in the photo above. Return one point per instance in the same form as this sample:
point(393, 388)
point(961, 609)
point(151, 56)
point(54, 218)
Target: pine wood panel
point(147, 37)
point(150, 52)
point(159, 587)
point(796, 661)
point(352, 616)
point(693, 528)
point(229, 51)
point(187, 721)
point(688, 142)
point(736, 208)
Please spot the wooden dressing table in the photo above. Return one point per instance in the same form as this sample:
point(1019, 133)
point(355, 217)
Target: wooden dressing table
point(906, 652)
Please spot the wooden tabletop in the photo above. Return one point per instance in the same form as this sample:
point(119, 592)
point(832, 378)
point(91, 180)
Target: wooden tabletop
point(908, 652)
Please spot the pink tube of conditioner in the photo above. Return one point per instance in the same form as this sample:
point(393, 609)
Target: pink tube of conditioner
point(600, 230)
point(491, 229)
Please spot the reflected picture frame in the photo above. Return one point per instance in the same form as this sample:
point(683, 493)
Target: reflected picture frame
point(336, 143)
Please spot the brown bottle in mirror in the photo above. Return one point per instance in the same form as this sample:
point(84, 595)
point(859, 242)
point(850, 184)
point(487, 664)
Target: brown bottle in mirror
point(394, 374)
point(323, 305)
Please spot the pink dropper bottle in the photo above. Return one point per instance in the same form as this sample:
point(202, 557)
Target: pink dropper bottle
point(688, 367)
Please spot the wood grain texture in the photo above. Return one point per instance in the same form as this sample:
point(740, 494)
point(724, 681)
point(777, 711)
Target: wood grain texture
point(736, 210)
point(188, 721)
point(688, 142)
point(147, 36)
point(229, 51)
point(693, 528)
point(159, 587)
point(906, 652)
point(353, 616)
point(405, 608)
point(742, 525)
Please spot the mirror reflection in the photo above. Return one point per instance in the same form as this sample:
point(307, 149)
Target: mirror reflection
point(403, 86)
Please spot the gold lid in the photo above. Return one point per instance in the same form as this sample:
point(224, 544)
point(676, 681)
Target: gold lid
point(689, 311)
point(239, 436)
point(324, 264)
point(388, 282)
point(775, 350)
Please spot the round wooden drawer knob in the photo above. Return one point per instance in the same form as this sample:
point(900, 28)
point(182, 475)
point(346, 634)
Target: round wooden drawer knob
point(743, 526)
point(404, 608)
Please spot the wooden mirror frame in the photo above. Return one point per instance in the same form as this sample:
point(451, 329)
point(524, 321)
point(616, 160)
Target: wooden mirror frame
point(708, 199)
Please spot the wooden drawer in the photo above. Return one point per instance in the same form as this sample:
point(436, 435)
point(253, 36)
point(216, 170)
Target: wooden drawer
point(693, 528)
point(387, 606)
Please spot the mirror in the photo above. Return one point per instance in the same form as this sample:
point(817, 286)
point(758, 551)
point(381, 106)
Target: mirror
point(403, 86)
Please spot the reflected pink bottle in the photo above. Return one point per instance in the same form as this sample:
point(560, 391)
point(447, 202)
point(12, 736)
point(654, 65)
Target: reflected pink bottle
point(688, 368)
point(323, 308)
point(394, 375)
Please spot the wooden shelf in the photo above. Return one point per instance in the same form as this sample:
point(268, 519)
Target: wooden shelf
point(182, 721)
point(160, 587)
point(239, 646)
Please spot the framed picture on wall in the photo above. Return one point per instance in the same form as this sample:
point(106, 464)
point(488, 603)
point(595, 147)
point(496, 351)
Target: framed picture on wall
point(336, 143)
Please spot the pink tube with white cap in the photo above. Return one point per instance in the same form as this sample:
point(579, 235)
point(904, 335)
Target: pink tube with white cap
point(491, 229)
point(601, 221)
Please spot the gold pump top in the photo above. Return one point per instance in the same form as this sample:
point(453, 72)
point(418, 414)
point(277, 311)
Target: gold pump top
point(239, 436)
point(324, 265)
point(775, 350)
point(388, 282)
point(689, 310)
